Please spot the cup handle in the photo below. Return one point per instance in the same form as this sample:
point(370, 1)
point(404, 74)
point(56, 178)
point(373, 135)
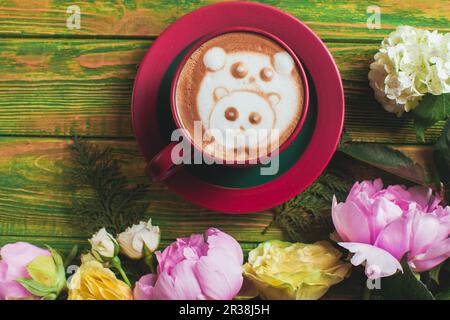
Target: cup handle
point(161, 166)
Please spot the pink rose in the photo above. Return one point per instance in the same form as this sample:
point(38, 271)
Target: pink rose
point(14, 259)
point(205, 266)
point(380, 226)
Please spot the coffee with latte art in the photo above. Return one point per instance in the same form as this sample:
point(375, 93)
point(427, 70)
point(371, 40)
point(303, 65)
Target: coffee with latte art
point(244, 91)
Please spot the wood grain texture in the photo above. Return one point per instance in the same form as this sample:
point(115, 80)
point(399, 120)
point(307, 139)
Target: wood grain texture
point(147, 18)
point(55, 81)
point(60, 86)
point(36, 194)
point(65, 244)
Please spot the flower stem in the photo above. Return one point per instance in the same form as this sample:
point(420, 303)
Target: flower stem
point(115, 262)
point(149, 261)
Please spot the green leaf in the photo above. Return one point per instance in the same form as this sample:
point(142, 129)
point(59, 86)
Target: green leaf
point(405, 286)
point(307, 217)
point(389, 160)
point(71, 256)
point(443, 295)
point(434, 273)
point(38, 289)
point(61, 282)
point(379, 154)
point(442, 158)
point(430, 110)
point(446, 265)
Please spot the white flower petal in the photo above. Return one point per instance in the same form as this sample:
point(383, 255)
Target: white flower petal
point(379, 263)
point(410, 63)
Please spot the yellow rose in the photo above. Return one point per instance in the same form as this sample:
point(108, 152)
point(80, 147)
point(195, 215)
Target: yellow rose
point(284, 270)
point(94, 282)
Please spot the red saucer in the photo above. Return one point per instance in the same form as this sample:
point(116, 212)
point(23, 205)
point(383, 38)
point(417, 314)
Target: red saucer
point(315, 58)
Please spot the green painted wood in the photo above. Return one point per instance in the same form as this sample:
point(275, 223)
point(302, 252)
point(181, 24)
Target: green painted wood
point(60, 86)
point(65, 244)
point(54, 81)
point(147, 18)
point(55, 87)
point(36, 193)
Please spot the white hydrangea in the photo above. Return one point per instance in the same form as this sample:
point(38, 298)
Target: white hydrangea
point(410, 63)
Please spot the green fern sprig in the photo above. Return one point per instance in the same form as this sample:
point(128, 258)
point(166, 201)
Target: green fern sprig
point(307, 217)
point(112, 204)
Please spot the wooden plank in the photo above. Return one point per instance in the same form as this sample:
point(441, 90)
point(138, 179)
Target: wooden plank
point(147, 18)
point(65, 244)
point(53, 87)
point(36, 193)
point(56, 87)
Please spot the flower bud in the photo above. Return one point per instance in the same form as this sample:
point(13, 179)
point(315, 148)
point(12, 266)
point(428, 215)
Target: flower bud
point(47, 276)
point(139, 240)
point(103, 246)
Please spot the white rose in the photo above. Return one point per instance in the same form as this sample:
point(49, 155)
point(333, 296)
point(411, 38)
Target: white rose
point(410, 63)
point(103, 246)
point(138, 237)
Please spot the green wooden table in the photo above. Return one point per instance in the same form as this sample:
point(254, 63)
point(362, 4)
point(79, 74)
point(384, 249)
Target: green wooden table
point(55, 81)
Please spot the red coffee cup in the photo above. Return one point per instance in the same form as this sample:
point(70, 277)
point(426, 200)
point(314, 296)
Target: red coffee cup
point(162, 165)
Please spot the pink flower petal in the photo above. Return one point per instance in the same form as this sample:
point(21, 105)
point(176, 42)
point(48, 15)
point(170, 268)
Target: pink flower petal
point(379, 263)
point(424, 197)
point(13, 290)
point(350, 223)
point(394, 238)
point(171, 256)
point(426, 230)
point(221, 240)
point(369, 188)
point(219, 275)
point(383, 213)
point(20, 254)
point(181, 285)
point(435, 255)
point(144, 288)
point(14, 259)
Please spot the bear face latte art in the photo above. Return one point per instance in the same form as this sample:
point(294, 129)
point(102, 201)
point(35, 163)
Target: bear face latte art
point(243, 92)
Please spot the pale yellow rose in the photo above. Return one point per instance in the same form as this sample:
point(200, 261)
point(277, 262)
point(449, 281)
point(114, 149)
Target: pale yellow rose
point(284, 270)
point(139, 240)
point(103, 246)
point(92, 281)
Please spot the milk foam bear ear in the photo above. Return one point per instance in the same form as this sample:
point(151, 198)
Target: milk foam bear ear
point(283, 62)
point(219, 93)
point(215, 58)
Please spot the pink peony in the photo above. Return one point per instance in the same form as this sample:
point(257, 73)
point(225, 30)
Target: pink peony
point(14, 259)
point(205, 266)
point(380, 226)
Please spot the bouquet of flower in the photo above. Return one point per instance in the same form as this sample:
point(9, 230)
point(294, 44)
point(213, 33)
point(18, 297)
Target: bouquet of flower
point(398, 234)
